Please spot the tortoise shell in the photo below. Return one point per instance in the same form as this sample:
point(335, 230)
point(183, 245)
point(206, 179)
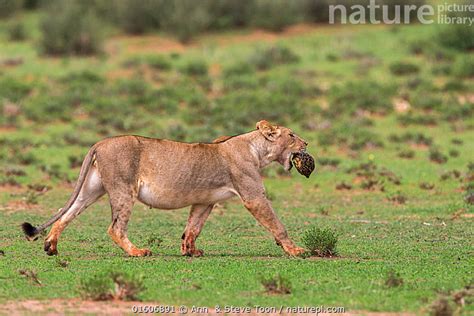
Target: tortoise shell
point(304, 163)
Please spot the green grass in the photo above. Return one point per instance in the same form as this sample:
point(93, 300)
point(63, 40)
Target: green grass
point(427, 241)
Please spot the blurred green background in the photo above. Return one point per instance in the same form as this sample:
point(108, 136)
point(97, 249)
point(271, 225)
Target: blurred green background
point(388, 111)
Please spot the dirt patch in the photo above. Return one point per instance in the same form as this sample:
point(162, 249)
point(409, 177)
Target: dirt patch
point(13, 189)
point(144, 44)
point(163, 44)
point(72, 306)
point(77, 306)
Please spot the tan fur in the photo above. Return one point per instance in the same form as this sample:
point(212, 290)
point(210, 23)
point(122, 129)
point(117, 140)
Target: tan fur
point(169, 175)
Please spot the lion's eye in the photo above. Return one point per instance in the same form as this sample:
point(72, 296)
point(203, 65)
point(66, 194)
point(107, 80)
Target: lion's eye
point(292, 135)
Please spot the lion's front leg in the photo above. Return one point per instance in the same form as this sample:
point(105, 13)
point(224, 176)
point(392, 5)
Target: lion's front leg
point(262, 210)
point(197, 217)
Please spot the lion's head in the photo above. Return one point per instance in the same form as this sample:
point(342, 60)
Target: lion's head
point(282, 143)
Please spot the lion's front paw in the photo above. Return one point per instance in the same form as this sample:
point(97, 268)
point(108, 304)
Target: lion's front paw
point(51, 247)
point(295, 251)
point(194, 253)
point(140, 253)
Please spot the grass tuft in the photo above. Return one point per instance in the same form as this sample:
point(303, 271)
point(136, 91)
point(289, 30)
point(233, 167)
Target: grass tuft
point(393, 279)
point(320, 242)
point(112, 286)
point(276, 284)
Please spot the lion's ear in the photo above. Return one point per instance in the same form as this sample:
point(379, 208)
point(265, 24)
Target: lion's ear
point(269, 131)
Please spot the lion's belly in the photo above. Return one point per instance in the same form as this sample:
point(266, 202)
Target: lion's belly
point(164, 198)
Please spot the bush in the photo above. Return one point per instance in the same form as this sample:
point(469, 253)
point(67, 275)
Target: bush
point(230, 13)
point(9, 7)
point(349, 134)
point(137, 17)
point(196, 67)
point(417, 119)
point(437, 156)
point(464, 66)
point(185, 18)
point(275, 15)
point(276, 284)
point(111, 286)
point(159, 62)
point(264, 59)
point(454, 85)
point(47, 108)
point(426, 101)
point(393, 279)
point(17, 32)
point(277, 100)
point(238, 69)
point(456, 36)
point(320, 242)
point(360, 95)
point(403, 68)
point(13, 89)
point(70, 27)
point(407, 154)
point(397, 198)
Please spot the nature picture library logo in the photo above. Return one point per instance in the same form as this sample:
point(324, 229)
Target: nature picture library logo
point(376, 13)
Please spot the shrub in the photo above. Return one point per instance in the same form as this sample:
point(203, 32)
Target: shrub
point(111, 286)
point(239, 82)
point(276, 284)
point(441, 307)
point(397, 198)
point(159, 62)
point(360, 95)
point(343, 186)
point(456, 36)
point(393, 279)
point(238, 69)
point(454, 153)
point(454, 85)
point(13, 89)
point(407, 153)
point(185, 18)
point(437, 156)
point(275, 15)
point(469, 197)
point(403, 68)
point(196, 67)
point(17, 32)
point(415, 138)
point(278, 100)
point(350, 134)
point(137, 17)
point(47, 108)
point(464, 66)
point(442, 69)
point(230, 13)
point(417, 119)
point(71, 27)
point(427, 101)
point(9, 7)
point(320, 242)
point(426, 186)
point(264, 59)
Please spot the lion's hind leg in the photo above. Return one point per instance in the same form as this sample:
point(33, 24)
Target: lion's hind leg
point(91, 191)
point(197, 217)
point(122, 204)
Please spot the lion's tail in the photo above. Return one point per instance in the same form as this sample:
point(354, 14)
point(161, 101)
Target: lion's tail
point(31, 231)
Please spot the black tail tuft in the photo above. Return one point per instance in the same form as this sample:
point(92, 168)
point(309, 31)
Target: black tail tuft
point(29, 230)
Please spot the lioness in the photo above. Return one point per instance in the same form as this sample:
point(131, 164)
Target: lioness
point(170, 175)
